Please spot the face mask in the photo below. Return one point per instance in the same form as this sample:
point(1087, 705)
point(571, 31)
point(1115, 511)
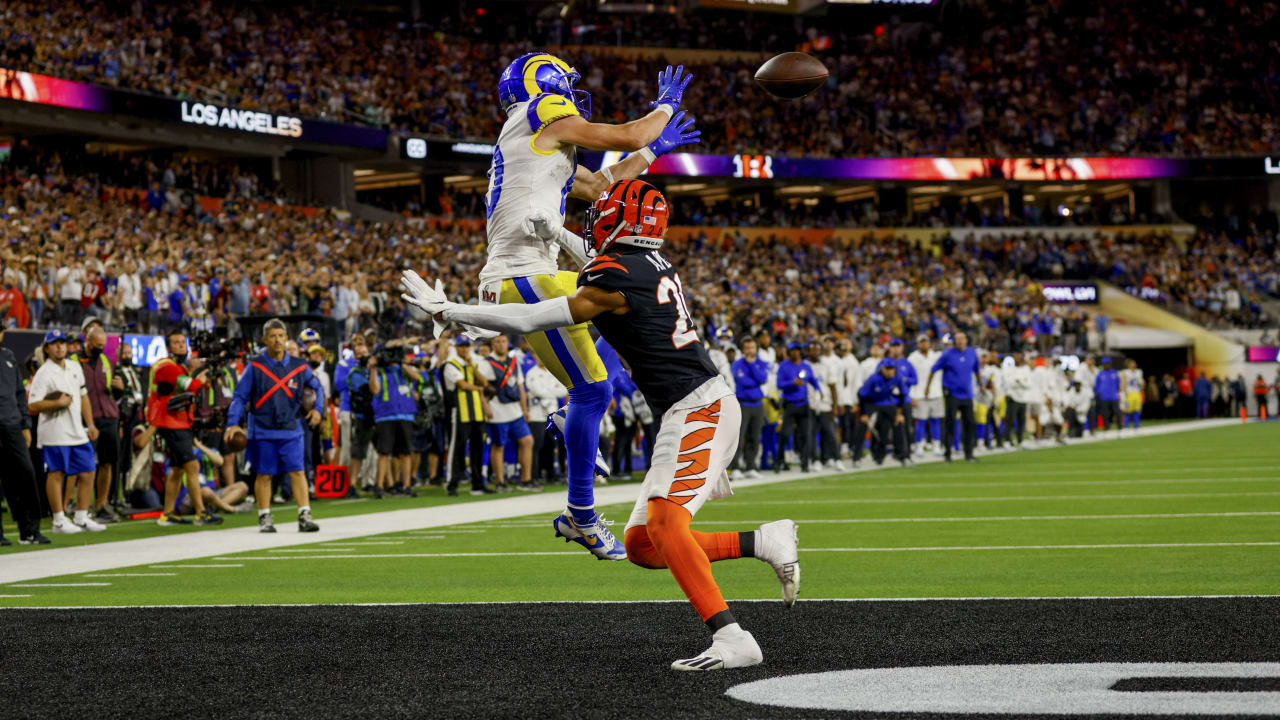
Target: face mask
point(94, 353)
point(314, 364)
point(180, 359)
point(126, 362)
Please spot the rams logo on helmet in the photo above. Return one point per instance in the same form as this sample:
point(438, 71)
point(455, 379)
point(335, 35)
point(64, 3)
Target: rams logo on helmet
point(535, 73)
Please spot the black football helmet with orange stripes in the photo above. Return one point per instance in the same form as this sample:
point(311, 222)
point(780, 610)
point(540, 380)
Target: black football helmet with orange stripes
point(629, 212)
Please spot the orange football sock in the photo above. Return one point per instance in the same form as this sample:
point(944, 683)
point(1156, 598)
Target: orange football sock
point(716, 546)
point(668, 528)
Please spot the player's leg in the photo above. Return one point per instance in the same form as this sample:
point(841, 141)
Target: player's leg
point(570, 354)
point(55, 456)
point(291, 461)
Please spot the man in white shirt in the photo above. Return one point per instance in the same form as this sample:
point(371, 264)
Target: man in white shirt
point(1075, 408)
point(1044, 384)
point(847, 394)
point(990, 392)
point(129, 291)
point(822, 357)
point(66, 432)
point(1087, 374)
point(508, 414)
point(926, 395)
point(1055, 392)
point(1017, 382)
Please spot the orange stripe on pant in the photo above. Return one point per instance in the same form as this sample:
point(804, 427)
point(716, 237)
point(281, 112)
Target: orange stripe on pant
point(667, 541)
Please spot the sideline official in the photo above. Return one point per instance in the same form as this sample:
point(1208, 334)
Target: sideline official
point(269, 393)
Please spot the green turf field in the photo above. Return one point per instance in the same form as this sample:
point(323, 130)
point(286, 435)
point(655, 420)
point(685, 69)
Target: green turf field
point(1190, 513)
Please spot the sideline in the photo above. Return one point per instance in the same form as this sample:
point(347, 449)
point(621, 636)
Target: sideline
point(101, 557)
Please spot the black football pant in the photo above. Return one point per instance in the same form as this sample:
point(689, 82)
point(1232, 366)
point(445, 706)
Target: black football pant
point(749, 439)
point(19, 480)
point(795, 425)
point(886, 430)
point(855, 431)
point(623, 441)
point(467, 440)
point(829, 447)
point(1014, 413)
point(963, 408)
point(1109, 412)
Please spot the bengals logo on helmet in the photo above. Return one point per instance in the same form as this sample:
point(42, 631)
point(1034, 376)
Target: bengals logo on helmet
point(630, 212)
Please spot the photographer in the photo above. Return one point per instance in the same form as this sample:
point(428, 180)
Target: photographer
point(170, 398)
point(213, 402)
point(428, 437)
point(360, 402)
point(131, 403)
point(509, 414)
point(391, 383)
point(270, 394)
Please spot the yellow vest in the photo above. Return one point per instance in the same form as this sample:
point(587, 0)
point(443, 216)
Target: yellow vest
point(468, 401)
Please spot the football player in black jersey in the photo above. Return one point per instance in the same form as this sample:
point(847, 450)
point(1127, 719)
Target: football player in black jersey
point(634, 297)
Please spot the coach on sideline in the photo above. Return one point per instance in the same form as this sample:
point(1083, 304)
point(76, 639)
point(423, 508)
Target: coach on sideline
point(19, 477)
point(960, 367)
point(270, 392)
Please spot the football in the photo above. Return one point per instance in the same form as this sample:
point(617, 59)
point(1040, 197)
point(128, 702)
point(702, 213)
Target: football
point(791, 75)
point(237, 442)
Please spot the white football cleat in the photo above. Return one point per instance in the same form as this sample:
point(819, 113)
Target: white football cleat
point(731, 647)
point(777, 543)
point(91, 525)
point(66, 527)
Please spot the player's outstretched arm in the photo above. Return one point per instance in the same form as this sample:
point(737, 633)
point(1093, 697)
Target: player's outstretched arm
point(583, 305)
point(680, 131)
point(627, 137)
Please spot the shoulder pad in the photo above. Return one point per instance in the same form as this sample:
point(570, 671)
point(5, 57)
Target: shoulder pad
point(546, 108)
point(606, 272)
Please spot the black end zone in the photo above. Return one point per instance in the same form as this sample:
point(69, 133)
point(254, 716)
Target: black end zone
point(559, 660)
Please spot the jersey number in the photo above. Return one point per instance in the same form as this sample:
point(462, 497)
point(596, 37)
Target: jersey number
point(495, 183)
point(670, 290)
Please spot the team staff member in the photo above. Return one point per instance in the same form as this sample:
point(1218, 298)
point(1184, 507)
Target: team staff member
point(393, 412)
point(883, 405)
point(795, 376)
point(131, 402)
point(65, 434)
point(341, 387)
point(19, 477)
point(170, 384)
point(908, 378)
point(270, 394)
point(1106, 390)
point(463, 380)
point(926, 398)
point(960, 367)
point(750, 374)
point(103, 388)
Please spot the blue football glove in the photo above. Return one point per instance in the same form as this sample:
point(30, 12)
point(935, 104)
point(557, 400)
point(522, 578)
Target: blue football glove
point(671, 85)
point(675, 134)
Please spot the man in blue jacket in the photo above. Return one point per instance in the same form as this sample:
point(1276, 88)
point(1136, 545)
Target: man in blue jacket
point(960, 367)
point(882, 401)
point(341, 387)
point(750, 374)
point(1106, 393)
point(269, 393)
point(907, 376)
point(794, 378)
point(394, 410)
point(1202, 390)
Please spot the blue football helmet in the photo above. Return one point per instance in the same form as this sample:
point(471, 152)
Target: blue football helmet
point(537, 72)
point(308, 337)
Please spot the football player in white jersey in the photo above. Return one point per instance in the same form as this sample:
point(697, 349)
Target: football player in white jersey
point(534, 169)
point(1131, 386)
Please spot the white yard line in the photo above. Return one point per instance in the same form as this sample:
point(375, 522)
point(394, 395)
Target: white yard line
point(200, 567)
point(1047, 483)
point(673, 601)
point(132, 575)
point(986, 519)
point(37, 585)
point(190, 546)
point(927, 548)
point(1003, 498)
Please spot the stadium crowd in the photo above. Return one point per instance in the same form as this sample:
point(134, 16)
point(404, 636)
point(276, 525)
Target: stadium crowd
point(1069, 78)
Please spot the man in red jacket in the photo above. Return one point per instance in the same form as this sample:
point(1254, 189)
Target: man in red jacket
point(170, 396)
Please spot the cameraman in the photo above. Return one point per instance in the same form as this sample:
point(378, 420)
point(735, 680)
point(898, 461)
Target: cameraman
point(213, 402)
point(270, 394)
point(428, 436)
point(391, 383)
point(170, 394)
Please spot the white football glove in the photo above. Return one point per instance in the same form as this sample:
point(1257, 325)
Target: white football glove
point(542, 227)
point(430, 300)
